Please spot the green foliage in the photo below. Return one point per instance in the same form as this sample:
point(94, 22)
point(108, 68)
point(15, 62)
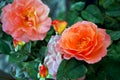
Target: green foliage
point(5, 76)
point(72, 17)
point(71, 69)
point(4, 47)
point(1, 33)
point(92, 13)
point(42, 53)
point(106, 3)
point(17, 57)
point(2, 3)
point(115, 35)
point(106, 69)
point(31, 69)
point(114, 51)
point(27, 47)
point(78, 6)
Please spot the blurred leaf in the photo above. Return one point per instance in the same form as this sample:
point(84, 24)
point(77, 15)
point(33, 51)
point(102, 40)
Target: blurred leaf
point(61, 16)
point(106, 3)
point(111, 23)
point(115, 35)
point(106, 69)
point(27, 47)
point(25, 70)
point(114, 13)
point(78, 19)
point(2, 3)
point(17, 57)
point(43, 51)
point(56, 7)
point(78, 6)
point(71, 69)
point(114, 51)
point(71, 17)
point(112, 7)
point(7, 37)
point(4, 47)
point(31, 68)
point(5, 76)
point(49, 34)
point(112, 70)
point(92, 13)
point(1, 32)
point(9, 1)
point(118, 18)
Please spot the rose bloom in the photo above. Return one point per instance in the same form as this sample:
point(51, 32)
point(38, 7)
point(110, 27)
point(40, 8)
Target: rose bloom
point(26, 20)
point(54, 57)
point(84, 41)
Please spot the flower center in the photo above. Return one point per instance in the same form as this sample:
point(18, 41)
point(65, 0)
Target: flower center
point(30, 18)
point(83, 42)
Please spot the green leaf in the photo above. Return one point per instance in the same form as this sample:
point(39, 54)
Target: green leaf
point(113, 13)
point(71, 69)
point(78, 6)
point(1, 32)
point(115, 35)
point(78, 19)
point(61, 16)
point(71, 17)
point(111, 23)
point(112, 7)
point(17, 57)
point(92, 13)
point(5, 76)
point(112, 67)
point(106, 3)
point(27, 47)
point(114, 51)
point(31, 68)
point(49, 34)
point(43, 50)
point(4, 47)
point(9, 1)
point(2, 3)
point(26, 70)
point(7, 37)
point(106, 69)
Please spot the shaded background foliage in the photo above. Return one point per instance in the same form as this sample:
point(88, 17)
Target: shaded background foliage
point(23, 65)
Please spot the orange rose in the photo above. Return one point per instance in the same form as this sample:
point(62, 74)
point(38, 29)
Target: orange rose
point(26, 20)
point(84, 41)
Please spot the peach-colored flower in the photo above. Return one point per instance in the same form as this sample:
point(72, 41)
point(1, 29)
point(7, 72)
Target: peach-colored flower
point(53, 58)
point(84, 41)
point(59, 26)
point(26, 20)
